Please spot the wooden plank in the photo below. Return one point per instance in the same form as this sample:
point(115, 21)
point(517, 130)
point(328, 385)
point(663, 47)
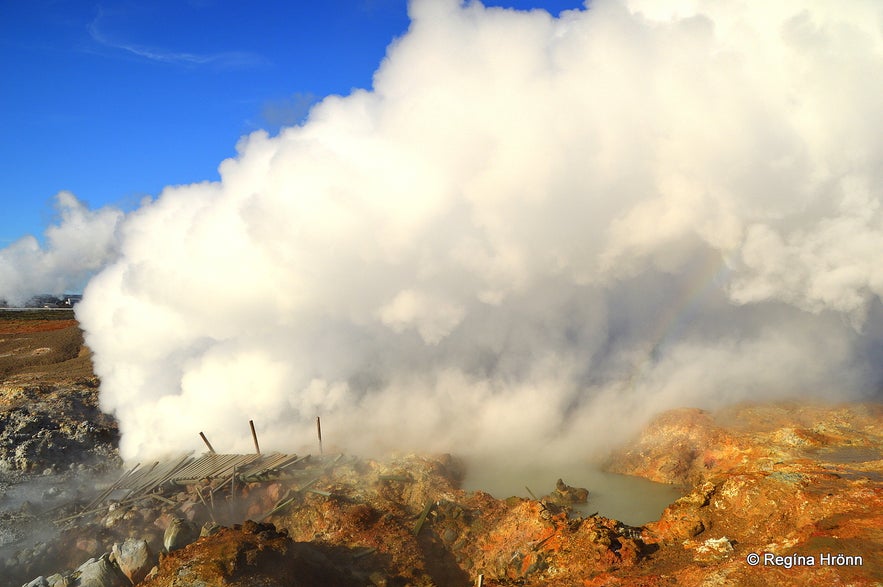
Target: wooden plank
point(151, 481)
point(422, 517)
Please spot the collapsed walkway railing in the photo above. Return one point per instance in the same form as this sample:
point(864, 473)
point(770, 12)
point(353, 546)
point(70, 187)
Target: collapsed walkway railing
point(161, 478)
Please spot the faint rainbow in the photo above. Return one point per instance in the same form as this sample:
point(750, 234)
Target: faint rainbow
point(668, 327)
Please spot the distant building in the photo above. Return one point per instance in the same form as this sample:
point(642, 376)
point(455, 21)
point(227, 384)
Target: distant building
point(53, 301)
point(72, 300)
point(43, 301)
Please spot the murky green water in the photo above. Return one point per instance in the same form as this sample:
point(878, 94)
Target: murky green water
point(630, 500)
point(846, 454)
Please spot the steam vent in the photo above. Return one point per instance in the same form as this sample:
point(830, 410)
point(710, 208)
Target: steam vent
point(798, 484)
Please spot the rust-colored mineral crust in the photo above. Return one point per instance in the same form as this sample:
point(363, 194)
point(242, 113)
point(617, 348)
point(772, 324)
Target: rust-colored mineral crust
point(799, 486)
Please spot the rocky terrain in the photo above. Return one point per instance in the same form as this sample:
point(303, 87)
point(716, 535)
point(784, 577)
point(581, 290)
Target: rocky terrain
point(799, 486)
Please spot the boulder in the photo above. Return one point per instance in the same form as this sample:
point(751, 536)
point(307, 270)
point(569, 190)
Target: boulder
point(99, 573)
point(564, 494)
point(208, 529)
point(134, 559)
point(179, 533)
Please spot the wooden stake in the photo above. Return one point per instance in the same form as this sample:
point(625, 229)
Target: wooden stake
point(422, 517)
point(231, 501)
point(480, 581)
point(319, 431)
point(254, 436)
point(207, 443)
point(211, 511)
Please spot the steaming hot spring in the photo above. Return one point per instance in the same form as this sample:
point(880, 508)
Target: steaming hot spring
point(634, 237)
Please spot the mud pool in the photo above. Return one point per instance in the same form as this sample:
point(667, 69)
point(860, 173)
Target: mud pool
point(631, 500)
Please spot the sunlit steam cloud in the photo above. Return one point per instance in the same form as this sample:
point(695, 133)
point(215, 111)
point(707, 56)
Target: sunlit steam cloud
point(82, 242)
point(530, 235)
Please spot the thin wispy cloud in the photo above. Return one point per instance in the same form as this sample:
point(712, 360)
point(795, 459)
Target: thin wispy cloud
point(223, 59)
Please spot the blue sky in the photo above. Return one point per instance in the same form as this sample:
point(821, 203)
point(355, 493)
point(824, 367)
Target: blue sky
point(114, 100)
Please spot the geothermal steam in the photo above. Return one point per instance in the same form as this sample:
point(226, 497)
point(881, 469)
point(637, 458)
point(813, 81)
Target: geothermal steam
point(81, 243)
point(531, 234)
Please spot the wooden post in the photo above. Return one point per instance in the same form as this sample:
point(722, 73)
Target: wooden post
point(211, 510)
point(422, 517)
point(480, 581)
point(207, 443)
point(319, 431)
point(254, 436)
point(231, 503)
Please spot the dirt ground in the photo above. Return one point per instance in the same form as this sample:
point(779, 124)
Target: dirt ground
point(42, 346)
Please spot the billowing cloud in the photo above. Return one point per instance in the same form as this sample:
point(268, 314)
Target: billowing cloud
point(81, 243)
point(530, 235)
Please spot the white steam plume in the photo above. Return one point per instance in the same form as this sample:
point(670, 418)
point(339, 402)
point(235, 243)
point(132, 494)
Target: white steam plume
point(82, 243)
point(530, 235)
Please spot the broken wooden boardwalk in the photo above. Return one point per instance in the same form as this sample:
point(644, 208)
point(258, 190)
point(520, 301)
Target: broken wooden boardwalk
point(164, 477)
point(208, 467)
